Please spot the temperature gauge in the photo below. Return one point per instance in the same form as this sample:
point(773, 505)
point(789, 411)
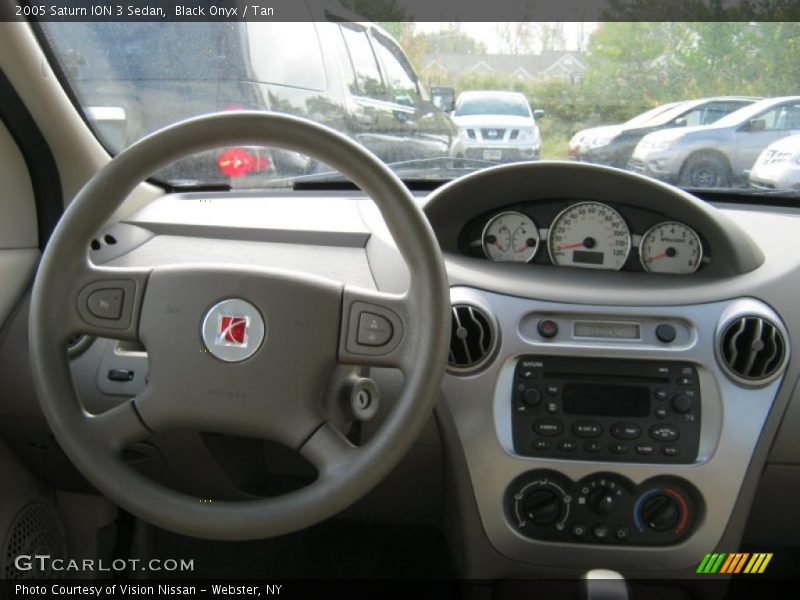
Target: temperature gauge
point(510, 236)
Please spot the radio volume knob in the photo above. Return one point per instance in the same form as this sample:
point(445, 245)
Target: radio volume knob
point(531, 397)
point(681, 404)
point(542, 506)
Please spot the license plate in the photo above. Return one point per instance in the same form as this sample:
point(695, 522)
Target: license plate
point(492, 154)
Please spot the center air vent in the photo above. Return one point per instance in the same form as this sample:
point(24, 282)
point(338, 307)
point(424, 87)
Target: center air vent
point(752, 350)
point(472, 338)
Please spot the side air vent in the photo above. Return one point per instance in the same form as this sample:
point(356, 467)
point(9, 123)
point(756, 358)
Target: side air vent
point(752, 350)
point(473, 338)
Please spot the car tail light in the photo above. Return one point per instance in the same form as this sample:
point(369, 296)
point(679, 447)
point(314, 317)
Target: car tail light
point(238, 162)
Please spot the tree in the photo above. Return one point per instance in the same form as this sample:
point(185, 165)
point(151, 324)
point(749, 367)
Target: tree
point(452, 39)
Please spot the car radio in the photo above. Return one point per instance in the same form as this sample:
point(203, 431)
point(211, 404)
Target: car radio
point(606, 409)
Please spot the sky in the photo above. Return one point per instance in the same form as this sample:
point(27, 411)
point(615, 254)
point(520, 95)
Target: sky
point(487, 33)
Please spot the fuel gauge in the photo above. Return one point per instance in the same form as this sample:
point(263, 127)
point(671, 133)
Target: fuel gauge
point(510, 236)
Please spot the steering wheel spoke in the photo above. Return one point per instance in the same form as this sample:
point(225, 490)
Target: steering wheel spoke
point(105, 302)
point(376, 329)
point(121, 425)
point(328, 450)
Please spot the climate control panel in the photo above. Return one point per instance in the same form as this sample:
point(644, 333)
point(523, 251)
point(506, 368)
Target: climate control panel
point(603, 508)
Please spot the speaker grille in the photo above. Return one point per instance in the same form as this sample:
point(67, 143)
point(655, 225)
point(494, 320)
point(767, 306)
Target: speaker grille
point(752, 350)
point(35, 530)
point(472, 338)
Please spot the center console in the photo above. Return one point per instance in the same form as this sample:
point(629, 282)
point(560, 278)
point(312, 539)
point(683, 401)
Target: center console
point(608, 446)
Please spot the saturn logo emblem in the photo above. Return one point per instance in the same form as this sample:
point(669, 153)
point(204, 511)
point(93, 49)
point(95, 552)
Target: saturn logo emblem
point(233, 330)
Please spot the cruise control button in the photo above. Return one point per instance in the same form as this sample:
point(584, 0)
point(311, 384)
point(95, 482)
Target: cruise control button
point(664, 433)
point(593, 447)
point(618, 447)
point(548, 427)
point(567, 446)
point(106, 303)
point(541, 444)
point(626, 431)
point(587, 429)
point(373, 330)
point(670, 450)
point(645, 449)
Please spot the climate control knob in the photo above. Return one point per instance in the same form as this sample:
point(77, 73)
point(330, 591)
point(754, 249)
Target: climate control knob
point(541, 506)
point(602, 501)
point(660, 512)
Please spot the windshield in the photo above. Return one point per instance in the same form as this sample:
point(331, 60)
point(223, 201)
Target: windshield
point(489, 104)
point(438, 100)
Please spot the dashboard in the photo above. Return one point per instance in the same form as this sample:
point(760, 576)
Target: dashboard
point(595, 413)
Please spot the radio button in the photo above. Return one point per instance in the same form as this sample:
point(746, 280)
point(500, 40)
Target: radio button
point(567, 446)
point(541, 444)
point(664, 433)
point(552, 389)
point(587, 429)
point(685, 380)
point(531, 397)
point(661, 394)
point(626, 431)
point(527, 373)
point(661, 412)
point(618, 447)
point(645, 449)
point(670, 450)
point(593, 447)
point(551, 407)
point(548, 427)
point(681, 404)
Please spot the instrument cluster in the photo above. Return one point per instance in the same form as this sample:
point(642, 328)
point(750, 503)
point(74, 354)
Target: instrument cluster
point(588, 235)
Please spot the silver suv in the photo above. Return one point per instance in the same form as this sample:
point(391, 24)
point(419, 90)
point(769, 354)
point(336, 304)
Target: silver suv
point(720, 154)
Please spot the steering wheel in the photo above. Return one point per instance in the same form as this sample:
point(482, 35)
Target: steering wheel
point(240, 350)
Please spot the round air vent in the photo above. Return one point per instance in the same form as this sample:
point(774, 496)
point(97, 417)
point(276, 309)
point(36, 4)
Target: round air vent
point(752, 350)
point(472, 338)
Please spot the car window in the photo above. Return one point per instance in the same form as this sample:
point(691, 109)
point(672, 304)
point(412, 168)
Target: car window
point(365, 64)
point(298, 47)
point(784, 117)
point(399, 73)
point(492, 105)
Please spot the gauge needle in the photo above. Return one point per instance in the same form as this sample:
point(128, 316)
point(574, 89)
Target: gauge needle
point(658, 256)
point(568, 246)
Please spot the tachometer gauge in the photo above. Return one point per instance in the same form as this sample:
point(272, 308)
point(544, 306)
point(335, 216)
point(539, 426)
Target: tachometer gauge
point(589, 235)
point(671, 247)
point(510, 236)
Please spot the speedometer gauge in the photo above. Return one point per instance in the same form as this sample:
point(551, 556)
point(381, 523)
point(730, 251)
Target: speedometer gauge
point(510, 236)
point(589, 235)
point(671, 247)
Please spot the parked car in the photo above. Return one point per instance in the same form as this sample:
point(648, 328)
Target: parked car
point(498, 126)
point(616, 149)
point(351, 76)
point(721, 154)
point(597, 137)
point(778, 166)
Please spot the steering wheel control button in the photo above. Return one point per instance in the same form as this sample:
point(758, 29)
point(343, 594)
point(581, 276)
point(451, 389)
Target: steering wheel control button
point(626, 431)
point(233, 330)
point(547, 328)
point(666, 333)
point(374, 330)
point(587, 429)
point(664, 433)
point(548, 427)
point(106, 303)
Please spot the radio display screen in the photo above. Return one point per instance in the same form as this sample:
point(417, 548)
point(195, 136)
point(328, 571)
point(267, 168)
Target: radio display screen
point(606, 400)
